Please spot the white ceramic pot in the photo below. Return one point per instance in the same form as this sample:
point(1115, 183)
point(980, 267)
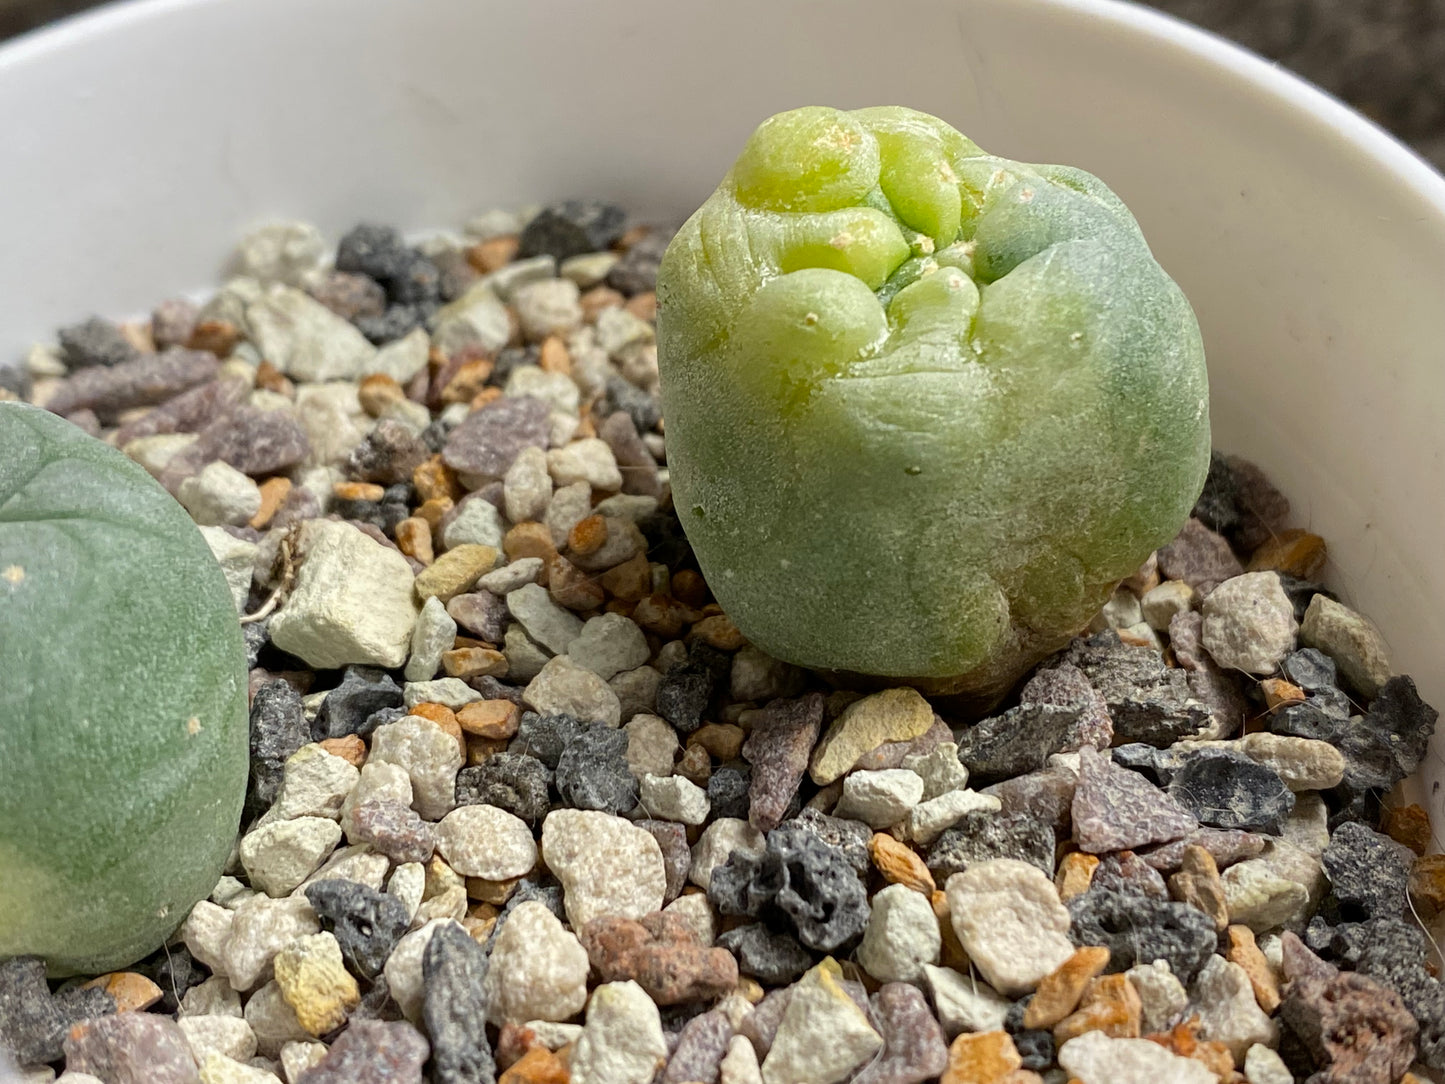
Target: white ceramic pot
point(138, 142)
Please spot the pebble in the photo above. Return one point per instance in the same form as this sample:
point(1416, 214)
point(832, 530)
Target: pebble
point(892, 715)
point(773, 958)
point(1010, 921)
point(260, 928)
point(622, 1041)
point(305, 339)
point(606, 865)
point(403, 970)
point(352, 602)
point(1228, 791)
point(451, 693)
point(661, 954)
point(454, 1006)
point(1228, 1012)
point(1368, 872)
point(1304, 764)
point(1162, 997)
point(1094, 1058)
point(778, 747)
point(455, 571)
point(913, 1045)
point(717, 843)
point(572, 228)
point(1199, 557)
point(900, 864)
point(527, 486)
point(1249, 623)
point(1058, 994)
point(429, 756)
point(487, 842)
point(929, 820)
point(280, 855)
point(475, 321)
point(1116, 809)
point(435, 632)
point(213, 997)
point(1018, 741)
point(220, 494)
point(94, 342)
point(476, 522)
point(880, 799)
point(365, 923)
point(1198, 884)
point(902, 935)
point(607, 645)
point(538, 968)
point(1263, 1066)
point(1350, 1027)
point(1161, 603)
point(1258, 897)
point(487, 442)
point(380, 782)
point(673, 798)
point(1350, 640)
point(1138, 930)
point(563, 687)
point(278, 729)
point(587, 460)
point(139, 381)
point(372, 1052)
point(131, 1048)
point(593, 773)
point(228, 1035)
point(940, 770)
point(314, 783)
point(547, 307)
point(983, 836)
point(824, 1035)
point(297, 1057)
point(652, 745)
point(315, 983)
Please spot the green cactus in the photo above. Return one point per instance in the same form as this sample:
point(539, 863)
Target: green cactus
point(925, 406)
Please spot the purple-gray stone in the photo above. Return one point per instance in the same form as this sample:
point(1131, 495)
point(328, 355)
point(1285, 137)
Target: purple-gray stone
point(914, 1049)
point(778, 748)
point(700, 1048)
point(1369, 873)
point(131, 1048)
point(487, 440)
point(1115, 809)
point(371, 1052)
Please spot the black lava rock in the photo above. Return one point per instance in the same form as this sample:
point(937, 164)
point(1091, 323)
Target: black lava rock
point(1394, 952)
point(1148, 701)
point(1368, 872)
point(379, 252)
point(622, 394)
point(1310, 669)
point(455, 1008)
point(1404, 720)
point(256, 635)
point(1036, 1048)
point(367, 923)
point(1302, 592)
point(676, 854)
point(686, 691)
point(1137, 929)
point(799, 882)
point(1019, 741)
point(519, 784)
point(544, 736)
point(397, 321)
point(1164, 715)
point(364, 690)
point(32, 1022)
point(572, 228)
point(1309, 720)
point(636, 272)
point(278, 729)
point(1216, 507)
point(727, 791)
point(775, 959)
point(95, 342)
point(1225, 790)
point(981, 836)
point(593, 773)
point(848, 837)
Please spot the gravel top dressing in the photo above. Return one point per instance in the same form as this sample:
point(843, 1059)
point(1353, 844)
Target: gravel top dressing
point(525, 805)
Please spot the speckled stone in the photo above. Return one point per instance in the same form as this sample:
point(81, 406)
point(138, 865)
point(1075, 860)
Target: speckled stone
point(782, 738)
point(1115, 809)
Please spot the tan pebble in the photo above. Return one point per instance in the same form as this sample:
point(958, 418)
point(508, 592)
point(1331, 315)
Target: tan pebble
point(661, 614)
point(1244, 952)
point(689, 588)
point(953, 954)
point(598, 299)
point(1110, 1004)
point(1294, 552)
point(218, 336)
point(981, 1058)
point(717, 631)
point(315, 983)
point(491, 719)
point(1279, 693)
point(132, 992)
point(1427, 884)
point(569, 586)
point(485, 396)
point(492, 893)
point(434, 510)
point(587, 535)
point(629, 581)
point(270, 378)
point(357, 491)
point(455, 571)
point(1409, 825)
point(643, 306)
point(468, 381)
point(721, 740)
point(480, 750)
point(493, 254)
point(1059, 993)
point(529, 539)
point(413, 538)
point(274, 492)
point(350, 749)
point(750, 989)
point(379, 391)
point(537, 1066)
point(473, 662)
point(1198, 884)
point(434, 480)
point(445, 718)
point(139, 336)
point(1075, 874)
point(554, 356)
point(900, 864)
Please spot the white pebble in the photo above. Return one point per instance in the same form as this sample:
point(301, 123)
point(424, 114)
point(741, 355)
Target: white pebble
point(220, 494)
point(609, 644)
point(1228, 1012)
point(380, 781)
point(206, 931)
point(1263, 1066)
point(622, 1041)
point(823, 1035)
point(879, 798)
point(504, 580)
point(228, 1035)
point(402, 970)
point(606, 865)
point(939, 769)
point(273, 1020)
point(554, 1035)
point(569, 506)
point(289, 252)
point(964, 1002)
point(1009, 919)
point(430, 756)
point(450, 692)
point(618, 329)
point(408, 884)
point(695, 909)
point(435, 633)
point(279, 856)
point(902, 936)
point(563, 687)
point(237, 559)
point(487, 842)
point(314, 783)
point(262, 928)
point(587, 460)
point(1162, 997)
point(1349, 638)
point(652, 745)
point(477, 523)
point(674, 798)
point(544, 621)
point(1249, 623)
point(538, 968)
point(305, 339)
point(929, 820)
point(402, 359)
point(357, 863)
point(218, 1069)
point(718, 841)
point(214, 997)
point(548, 307)
point(1163, 602)
point(297, 1057)
point(1094, 1058)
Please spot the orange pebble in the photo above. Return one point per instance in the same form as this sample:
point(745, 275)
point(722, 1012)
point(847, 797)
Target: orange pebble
point(643, 306)
point(471, 662)
point(132, 992)
point(378, 391)
point(554, 357)
point(350, 749)
point(434, 510)
point(587, 535)
point(900, 864)
point(274, 492)
point(493, 719)
point(434, 480)
point(413, 538)
point(468, 381)
point(598, 299)
point(493, 254)
point(985, 1056)
point(537, 1066)
point(270, 378)
point(357, 491)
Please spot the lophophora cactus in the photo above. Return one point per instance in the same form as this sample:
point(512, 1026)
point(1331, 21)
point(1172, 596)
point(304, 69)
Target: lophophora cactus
point(925, 406)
